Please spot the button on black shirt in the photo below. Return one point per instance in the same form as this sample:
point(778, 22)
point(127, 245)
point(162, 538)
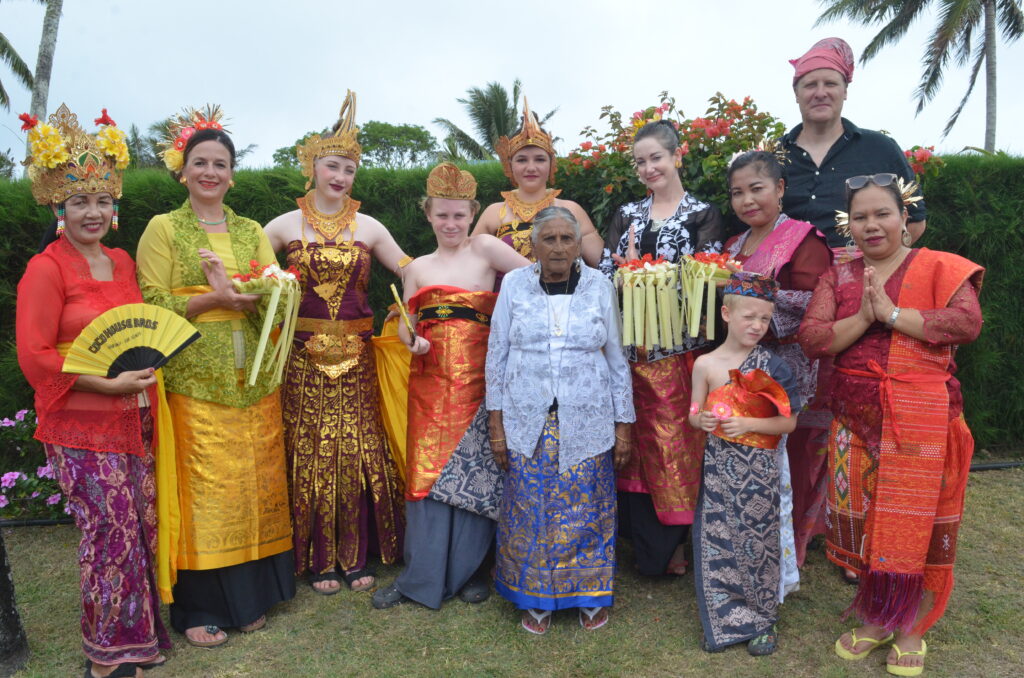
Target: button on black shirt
point(815, 193)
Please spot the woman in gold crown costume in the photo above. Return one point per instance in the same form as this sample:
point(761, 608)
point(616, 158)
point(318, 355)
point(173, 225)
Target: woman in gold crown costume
point(528, 159)
point(343, 477)
point(98, 433)
point(234, 554)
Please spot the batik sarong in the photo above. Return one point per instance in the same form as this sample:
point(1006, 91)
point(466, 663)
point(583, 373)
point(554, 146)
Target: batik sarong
point(112, 498)
point(556, 532)
point(666, 454)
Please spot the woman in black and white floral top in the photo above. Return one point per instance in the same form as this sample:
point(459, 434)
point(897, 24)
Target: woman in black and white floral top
point(658, 487)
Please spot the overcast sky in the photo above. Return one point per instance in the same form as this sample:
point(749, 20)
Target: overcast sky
point(281, 69)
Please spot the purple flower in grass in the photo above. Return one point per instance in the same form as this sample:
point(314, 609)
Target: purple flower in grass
point(45, 471)
point(20, 415)
point(53, 499)
point(9, 479)
point(3, 500)
point(7, 422)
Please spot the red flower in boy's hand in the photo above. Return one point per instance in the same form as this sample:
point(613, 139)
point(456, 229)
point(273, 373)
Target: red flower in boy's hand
point(721, 410)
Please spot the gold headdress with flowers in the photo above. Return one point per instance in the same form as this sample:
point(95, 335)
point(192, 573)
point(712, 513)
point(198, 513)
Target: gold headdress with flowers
point(448, 181)
point(531, 134)
point(907, 191)
point(768, 145)
point(343, 140)
point(182, 127)
point(65, 160)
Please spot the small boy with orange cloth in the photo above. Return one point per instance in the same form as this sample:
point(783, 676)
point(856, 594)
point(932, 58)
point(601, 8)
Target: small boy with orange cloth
point(750, 401)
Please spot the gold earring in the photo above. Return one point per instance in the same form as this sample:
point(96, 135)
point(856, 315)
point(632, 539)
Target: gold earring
point(679, 163)
point(183, 181)
point(231, 183)
point(906, 238)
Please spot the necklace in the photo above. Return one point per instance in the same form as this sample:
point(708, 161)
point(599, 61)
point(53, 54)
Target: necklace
point(329, 226)
point(554, 318)
point(212, 223)
point(526, 211)
point(749, 248)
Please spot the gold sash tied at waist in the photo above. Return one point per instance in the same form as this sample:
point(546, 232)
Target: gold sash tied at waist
point(218, 315)
point(334, 346)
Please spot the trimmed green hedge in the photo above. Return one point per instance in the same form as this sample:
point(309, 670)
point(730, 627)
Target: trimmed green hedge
point(974, 207)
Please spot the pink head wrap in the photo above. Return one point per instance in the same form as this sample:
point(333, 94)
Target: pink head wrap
point(832, 53)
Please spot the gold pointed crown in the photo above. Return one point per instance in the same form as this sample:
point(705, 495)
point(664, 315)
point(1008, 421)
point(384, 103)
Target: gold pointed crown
point(65, 160)
point(181, 128)
point(343, 140)
point(530, 134)
point(448, 181)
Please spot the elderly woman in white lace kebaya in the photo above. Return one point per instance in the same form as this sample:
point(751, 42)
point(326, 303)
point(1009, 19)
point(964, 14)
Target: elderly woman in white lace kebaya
point(560, 405)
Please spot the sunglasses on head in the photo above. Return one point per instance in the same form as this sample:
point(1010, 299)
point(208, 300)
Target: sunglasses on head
point(881, 179)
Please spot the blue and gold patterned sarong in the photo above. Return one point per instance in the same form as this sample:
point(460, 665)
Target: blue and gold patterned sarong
point(556, 532)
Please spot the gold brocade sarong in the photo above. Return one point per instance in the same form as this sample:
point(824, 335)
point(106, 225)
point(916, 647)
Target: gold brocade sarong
point(446, 386)
point(231, 482)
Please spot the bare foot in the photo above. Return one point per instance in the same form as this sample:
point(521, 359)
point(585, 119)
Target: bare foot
point(904, 644)
point(327, 586)
point(867, 637)
point(205, 636)
point(677, 563)
point(540, 626)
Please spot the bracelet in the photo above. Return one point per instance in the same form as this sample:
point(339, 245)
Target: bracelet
point(497, 440)
point(892, 317)
point(625, 440)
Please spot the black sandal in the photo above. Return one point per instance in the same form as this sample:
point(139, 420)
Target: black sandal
point(326, 576)
point(764, 644)
point(126, 670)
point(352, 577)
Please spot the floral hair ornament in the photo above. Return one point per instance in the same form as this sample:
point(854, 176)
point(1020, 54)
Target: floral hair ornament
point(907, 191)
point(765, 145)
point(181, 128)
point(64, 160)
point(343, 140)
point(449, 182)
point(530, 134)
point(747, 284)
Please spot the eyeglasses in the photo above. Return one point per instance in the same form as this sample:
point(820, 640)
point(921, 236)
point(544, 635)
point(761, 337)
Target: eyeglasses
point(881, 179)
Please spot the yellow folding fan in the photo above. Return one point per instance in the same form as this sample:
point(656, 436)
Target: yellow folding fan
point(129, 337)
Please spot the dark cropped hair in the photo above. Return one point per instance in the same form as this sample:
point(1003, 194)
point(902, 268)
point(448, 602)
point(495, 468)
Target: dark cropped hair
point(209, 135)
point(762, 161)
point(892, 189)
point(662, 131)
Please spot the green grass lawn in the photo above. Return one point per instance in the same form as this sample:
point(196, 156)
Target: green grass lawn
point(653, 631)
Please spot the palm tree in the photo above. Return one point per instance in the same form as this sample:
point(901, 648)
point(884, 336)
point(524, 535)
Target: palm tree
point(956, 37)
point(493, 114)
point(44, 62)
point(18, 66)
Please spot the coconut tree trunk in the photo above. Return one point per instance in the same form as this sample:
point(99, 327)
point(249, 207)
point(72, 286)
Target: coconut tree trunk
point(990, 75)
point(44, 62)
point(13, 644)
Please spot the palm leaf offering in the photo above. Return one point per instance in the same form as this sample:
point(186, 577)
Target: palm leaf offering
point(283, 287)
point(129, 337)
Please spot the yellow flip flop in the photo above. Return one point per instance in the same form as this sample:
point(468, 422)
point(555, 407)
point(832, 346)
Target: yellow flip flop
point(897, 670)
point(857, 656)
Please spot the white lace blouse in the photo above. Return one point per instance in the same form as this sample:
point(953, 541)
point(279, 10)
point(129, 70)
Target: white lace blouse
point(587, 372)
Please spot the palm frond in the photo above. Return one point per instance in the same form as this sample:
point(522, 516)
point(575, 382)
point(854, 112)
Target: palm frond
point(903, 16)
point(468, 145)
point(979, 59)
point(1011, 19)
point(953, 18)
point(10, 56)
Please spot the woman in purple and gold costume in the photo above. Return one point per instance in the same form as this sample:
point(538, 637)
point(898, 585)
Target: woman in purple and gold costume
point(346, 490)
point(98, 433)
point(528, 159)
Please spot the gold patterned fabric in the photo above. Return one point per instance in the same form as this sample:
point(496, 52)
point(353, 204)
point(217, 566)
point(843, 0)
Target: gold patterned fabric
point(446, 386)
point(231, 482)
point(340, 465)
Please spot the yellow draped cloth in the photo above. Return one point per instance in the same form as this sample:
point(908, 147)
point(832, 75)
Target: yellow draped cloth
point(393, 385)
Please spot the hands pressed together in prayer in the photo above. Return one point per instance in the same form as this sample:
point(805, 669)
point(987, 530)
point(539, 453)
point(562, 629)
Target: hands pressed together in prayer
point(227, 295)
point(875, 304)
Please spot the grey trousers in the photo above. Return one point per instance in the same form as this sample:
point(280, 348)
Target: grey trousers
point(444, 546)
